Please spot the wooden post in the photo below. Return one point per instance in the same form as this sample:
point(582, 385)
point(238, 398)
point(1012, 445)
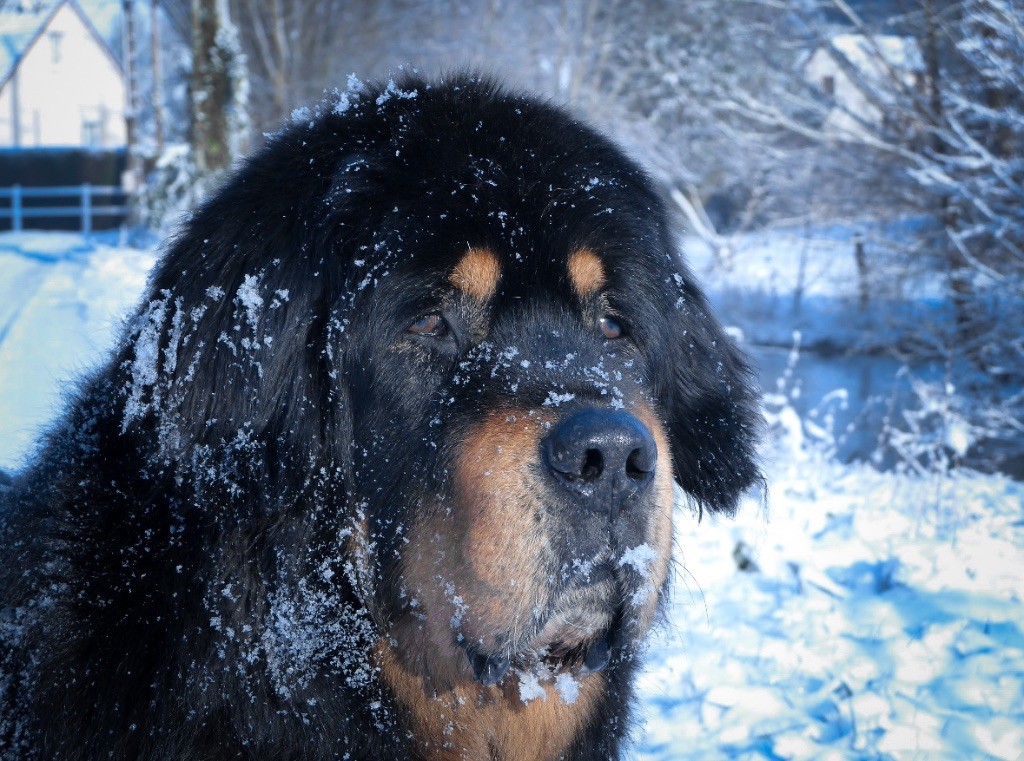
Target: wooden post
point(86, 209)
point(862, 271)
point(16, 208)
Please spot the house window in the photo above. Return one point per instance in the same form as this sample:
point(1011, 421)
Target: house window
point(92, 134)
point(55, 46)
point(828, 85)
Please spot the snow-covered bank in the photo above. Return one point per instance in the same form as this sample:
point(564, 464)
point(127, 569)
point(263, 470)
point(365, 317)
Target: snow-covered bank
point(62, 299)
point(770, 283)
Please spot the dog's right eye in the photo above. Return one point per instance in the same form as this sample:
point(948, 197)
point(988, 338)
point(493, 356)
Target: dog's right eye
point(432, 325)
point(610, 328)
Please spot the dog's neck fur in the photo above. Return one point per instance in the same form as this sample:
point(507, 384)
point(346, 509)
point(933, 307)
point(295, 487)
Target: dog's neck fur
point(470, 721)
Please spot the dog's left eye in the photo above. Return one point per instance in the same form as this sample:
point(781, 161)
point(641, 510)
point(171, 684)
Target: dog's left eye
point(610, 327)
point(432, 325)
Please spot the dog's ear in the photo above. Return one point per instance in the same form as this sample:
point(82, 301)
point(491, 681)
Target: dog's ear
point(706, 388)
point(238, 337)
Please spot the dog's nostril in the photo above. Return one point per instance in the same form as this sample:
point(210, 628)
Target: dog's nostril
point(642, 461)
point(593, 465)
point(638, 466)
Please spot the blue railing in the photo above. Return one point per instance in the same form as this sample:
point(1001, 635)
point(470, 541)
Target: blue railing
point(85, 208)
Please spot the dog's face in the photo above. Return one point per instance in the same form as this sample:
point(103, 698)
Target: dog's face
point(461, 316)
point(508, 430)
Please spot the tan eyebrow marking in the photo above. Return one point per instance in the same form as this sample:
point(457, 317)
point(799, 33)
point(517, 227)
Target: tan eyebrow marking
point(477, 274)
point(586, 272)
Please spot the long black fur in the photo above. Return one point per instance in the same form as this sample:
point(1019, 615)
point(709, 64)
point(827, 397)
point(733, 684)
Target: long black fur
point(177, 580)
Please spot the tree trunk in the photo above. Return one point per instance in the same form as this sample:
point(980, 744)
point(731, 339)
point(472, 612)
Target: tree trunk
point(131, 109)
point(211, 90)
point(158, 84)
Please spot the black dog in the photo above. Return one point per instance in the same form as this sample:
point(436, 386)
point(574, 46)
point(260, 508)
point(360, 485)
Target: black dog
point(383, 465)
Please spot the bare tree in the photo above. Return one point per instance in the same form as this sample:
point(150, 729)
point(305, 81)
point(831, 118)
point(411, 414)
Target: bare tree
point(941, 140)
point(219, 88)
point(290, 45)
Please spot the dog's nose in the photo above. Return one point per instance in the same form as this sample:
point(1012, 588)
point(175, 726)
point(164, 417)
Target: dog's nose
point(593, 452)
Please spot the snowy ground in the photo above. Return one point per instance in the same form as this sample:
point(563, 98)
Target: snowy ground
point(884, 621)
point(61, 302)
point(880, 615)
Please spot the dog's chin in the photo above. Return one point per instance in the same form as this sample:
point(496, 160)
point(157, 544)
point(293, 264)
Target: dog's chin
point(581, 629)
point(583, 610)
point(579, 633)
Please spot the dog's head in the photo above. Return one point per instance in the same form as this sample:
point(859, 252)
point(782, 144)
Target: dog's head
point(467, 312)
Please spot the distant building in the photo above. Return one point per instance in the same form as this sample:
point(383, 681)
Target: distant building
point(857, 72)
point(60, 84)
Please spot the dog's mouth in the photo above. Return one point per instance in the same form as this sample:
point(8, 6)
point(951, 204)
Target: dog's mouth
point(588, 656)
point(583, 658)
point(582, 633)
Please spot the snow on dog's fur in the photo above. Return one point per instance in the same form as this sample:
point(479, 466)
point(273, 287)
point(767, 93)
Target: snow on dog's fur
point(383, 465)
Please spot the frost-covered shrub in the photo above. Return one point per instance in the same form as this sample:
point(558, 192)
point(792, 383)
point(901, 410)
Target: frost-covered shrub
point(171, 188)
point(948, 426)
point(812, 434)
point(934, 435)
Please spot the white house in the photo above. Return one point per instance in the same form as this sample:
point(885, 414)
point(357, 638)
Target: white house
point(60, 84)
point(857, 71)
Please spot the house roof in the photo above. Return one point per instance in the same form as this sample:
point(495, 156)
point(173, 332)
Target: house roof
point(19, 27)
point(23, 21)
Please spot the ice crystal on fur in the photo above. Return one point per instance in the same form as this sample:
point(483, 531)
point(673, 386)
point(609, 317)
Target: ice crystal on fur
point(145, 366)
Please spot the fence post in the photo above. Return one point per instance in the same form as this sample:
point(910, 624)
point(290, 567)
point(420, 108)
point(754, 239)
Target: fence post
point(16, 208)
point(862, 270)
point(86, 209)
